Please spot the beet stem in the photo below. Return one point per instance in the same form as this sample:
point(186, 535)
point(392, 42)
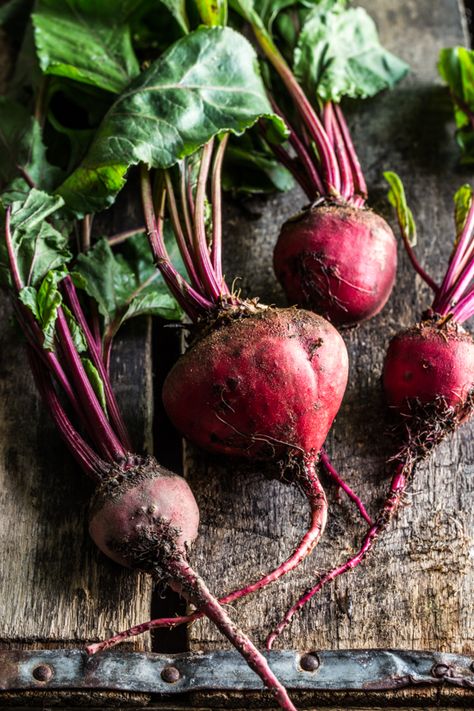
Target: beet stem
point(112, 405)
point(201, 249)
point(179, 234)
point(92, 465)
point(216, 199)
point(347, 183)
point(103, 434)
point(390, 506)
point(360, 186)
point(415, 263)
point(196, 591)
point(315, 180)
point(326, 462)
point(193, 303)
point(461, 254)
point(309, 116)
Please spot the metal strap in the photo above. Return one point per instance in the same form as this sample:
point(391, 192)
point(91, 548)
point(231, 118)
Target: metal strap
point(359, 670)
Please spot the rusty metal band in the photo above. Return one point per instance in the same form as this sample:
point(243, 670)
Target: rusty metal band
point(356, 670)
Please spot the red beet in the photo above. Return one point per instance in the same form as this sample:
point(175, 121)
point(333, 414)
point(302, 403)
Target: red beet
point(428, 364)
point(339, 261)
point(260, 386)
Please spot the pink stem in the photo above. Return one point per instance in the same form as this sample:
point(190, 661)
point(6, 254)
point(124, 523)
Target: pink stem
point(306, 160)
point(294, 168)
point(104, 436)
point(464, 309)
point(112, 405)
point(201, 249)
point(415, 263)
point(216, 197)
point(456, 293)
point(360, 186)
point(93, 466)
point(179, 235)
point(193, 303)
point(392, 502)
point(347, 184)
point(326, 462)
point(457, 262)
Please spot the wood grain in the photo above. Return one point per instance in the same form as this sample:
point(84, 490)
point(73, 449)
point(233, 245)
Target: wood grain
point(416, 590)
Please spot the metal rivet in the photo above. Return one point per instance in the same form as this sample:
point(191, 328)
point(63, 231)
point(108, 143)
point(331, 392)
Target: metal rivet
point(309, 662)
point(440, 670)
point(171, 675)
point(43, 672)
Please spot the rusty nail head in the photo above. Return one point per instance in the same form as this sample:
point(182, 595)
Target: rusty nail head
point(440, 670)
point(171, 675)
point(43, 672)
point(309, 662)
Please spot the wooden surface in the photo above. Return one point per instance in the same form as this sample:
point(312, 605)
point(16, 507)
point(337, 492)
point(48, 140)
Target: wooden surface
point(416, 590)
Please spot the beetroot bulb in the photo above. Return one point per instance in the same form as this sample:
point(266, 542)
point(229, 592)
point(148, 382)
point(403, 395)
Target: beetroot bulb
point(428, 373)
point(142, 516)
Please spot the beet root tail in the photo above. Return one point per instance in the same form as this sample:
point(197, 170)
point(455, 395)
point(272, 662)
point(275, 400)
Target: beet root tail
point(192, 587)
point(388, 510)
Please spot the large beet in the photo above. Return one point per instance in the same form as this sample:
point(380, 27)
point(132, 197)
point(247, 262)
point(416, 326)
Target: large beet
point(260, 385)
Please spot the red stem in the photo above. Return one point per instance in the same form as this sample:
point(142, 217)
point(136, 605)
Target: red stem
point(457, 263)
point(327, 464)
point(103, 434)
point(416, 265)
point(201, 249)
point(360, 186)
point(112, 405)
point(392, 502)
point(180, 238)
point(347, 184)
point(92, 465)
point(216, 198)
point(193, 303)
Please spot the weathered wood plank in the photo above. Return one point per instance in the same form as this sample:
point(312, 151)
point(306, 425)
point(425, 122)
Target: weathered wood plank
point(55, 587)
point(416, 589)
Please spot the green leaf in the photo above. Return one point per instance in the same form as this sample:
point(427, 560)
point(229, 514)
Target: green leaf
point(178, 10)
point(127, 284)
point(37, 245)
point(22, 151)
point(250, 167)
point(339, 54)
point(213, 12)
point(44, 303)
point(456, 67)
point(77, 333)
point(205, 84)
point(95, 381)
point(87, 41)
point(397, 198)
point(462, 205)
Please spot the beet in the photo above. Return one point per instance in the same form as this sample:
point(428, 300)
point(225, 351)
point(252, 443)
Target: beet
point(337, 260)
point(429, 365)
point(262, 386)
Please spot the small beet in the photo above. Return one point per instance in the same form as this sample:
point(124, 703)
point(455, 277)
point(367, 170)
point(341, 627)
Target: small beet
point(337, 260)
point(429, 365)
